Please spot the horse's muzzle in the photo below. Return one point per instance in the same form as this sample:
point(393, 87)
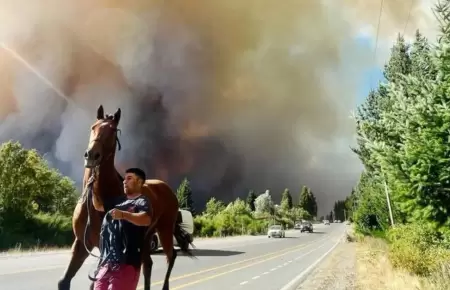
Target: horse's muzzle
point(92, 159)
point(89, 163)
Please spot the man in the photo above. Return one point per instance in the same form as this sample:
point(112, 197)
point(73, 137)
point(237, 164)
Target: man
point(122, 235)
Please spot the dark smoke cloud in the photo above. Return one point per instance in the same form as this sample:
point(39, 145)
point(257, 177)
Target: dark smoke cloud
point(233, 94)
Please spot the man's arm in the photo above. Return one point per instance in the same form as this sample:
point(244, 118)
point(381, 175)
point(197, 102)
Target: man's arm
point(140, 218)
point(109, 204)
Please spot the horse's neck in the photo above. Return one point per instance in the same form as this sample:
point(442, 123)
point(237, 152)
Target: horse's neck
point(108, 183)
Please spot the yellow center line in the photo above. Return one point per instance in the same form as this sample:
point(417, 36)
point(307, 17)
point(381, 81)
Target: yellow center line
point(280, 253)
point(240, 268)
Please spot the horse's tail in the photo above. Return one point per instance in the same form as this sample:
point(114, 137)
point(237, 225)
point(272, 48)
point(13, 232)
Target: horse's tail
point(184, 239)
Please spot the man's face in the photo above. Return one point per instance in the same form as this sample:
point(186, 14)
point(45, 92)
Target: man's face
point(131, 183)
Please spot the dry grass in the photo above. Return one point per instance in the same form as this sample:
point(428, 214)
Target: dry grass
point(374, 271)
point(19, 250)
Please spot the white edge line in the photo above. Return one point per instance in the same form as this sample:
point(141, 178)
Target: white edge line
point(297, 279)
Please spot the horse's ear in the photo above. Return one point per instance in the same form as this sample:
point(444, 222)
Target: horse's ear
point(117, 116)
point(100, 113)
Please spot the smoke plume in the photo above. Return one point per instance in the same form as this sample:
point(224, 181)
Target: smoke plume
point(235, 95)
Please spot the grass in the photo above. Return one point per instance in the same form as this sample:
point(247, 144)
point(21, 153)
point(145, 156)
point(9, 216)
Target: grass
point(37, 249)
point(375, 271)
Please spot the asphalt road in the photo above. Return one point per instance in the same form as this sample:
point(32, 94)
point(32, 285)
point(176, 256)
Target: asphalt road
point(222, 264)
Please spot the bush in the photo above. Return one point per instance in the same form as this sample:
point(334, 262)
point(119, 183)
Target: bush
point(42, 230)
point(416, 248)
point(225, 224)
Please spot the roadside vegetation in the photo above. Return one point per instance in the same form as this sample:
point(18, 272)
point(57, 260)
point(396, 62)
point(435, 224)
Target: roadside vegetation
point(37, 202)
point(404, 143)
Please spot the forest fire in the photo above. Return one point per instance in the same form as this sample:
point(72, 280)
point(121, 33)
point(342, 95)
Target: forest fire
point(232, 94)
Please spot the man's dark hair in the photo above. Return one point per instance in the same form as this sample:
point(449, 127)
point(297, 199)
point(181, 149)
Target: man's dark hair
point(138, 172)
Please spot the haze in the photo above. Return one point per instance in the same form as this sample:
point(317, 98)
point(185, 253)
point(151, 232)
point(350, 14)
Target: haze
point(232, 94)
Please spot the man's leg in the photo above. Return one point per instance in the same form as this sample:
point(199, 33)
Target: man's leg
point(125, 278)
point(102, 277)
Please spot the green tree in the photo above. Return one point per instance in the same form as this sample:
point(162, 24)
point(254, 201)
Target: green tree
point(369, 127)
point(298, 213)
point(400, 62)
point(339, 210)
point(36, 201)
point(29, 186)
point(264, 203)
point(251, 200)
point(421, 59)
point(286, 200)
point(214, 207)
point(184, 195)
point(308, 202)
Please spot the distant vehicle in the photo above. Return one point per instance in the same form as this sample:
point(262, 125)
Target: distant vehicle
point(326, 222)
point(297, 226)
point(276, 231)
point(187, 223)
point(306, 227)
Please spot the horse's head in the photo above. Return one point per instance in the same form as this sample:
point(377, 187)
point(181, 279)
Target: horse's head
point(103, 139)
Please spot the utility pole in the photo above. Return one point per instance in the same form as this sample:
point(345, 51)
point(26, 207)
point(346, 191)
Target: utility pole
point(388, 200)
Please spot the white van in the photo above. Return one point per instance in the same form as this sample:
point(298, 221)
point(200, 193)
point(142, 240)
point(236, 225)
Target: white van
point(187, 223)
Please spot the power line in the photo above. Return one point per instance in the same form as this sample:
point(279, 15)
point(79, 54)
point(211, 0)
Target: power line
point(409, 16)
point(378, 32)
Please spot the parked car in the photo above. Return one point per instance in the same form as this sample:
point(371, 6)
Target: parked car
point(187, 223)
point(276, 231)
point(306, 227)
point(297, 226)
point(326, 222)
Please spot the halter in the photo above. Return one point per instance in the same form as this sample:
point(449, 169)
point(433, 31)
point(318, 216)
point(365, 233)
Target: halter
point(116, 144)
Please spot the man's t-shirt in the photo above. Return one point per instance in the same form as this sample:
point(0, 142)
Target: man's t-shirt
point(134, 235)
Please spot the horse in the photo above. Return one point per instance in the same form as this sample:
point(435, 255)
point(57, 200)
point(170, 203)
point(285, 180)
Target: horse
point(104, 181)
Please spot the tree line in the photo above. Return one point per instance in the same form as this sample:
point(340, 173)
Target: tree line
point(251, 215)
point(403, 141)
point(37, 202)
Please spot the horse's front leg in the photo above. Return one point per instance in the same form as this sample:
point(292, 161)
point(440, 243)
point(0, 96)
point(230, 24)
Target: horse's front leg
point(79, 255)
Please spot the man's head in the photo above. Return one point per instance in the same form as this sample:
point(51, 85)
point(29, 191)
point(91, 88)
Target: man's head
point(133, 181)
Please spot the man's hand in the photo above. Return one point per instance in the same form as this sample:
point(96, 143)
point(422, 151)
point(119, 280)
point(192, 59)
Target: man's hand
point(139, 219)
point(117, 214)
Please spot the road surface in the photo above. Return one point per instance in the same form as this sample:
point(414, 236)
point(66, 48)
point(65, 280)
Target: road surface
point(246, 263)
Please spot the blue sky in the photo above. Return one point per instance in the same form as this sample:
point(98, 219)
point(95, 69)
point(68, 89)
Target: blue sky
point(372, 75)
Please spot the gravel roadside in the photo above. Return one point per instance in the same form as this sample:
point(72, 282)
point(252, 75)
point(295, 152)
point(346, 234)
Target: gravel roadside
point(336, 272)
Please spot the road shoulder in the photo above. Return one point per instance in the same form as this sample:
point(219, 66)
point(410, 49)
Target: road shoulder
point(335, 272)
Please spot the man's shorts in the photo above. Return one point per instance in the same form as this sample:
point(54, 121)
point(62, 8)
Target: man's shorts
point(122, 277)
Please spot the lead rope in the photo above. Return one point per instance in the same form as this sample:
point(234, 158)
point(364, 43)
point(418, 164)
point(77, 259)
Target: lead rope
point(110, 249)
point(88, 193)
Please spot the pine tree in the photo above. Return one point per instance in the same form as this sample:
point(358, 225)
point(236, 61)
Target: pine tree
point(286, 200)
point(369, 128)
point(313, 204)
point(307, 201)
point(251, 197)
point(184, 195)
point(421, 60)
point(399, 63)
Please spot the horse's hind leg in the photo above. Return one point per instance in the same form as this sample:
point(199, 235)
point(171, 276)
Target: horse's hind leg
point(79, 255)
point(147, 262)
point(166, 238)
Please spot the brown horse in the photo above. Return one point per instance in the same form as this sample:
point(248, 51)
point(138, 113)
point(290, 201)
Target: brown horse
point(107, 183)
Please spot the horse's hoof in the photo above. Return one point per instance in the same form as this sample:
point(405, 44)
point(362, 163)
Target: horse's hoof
point(63, 285)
